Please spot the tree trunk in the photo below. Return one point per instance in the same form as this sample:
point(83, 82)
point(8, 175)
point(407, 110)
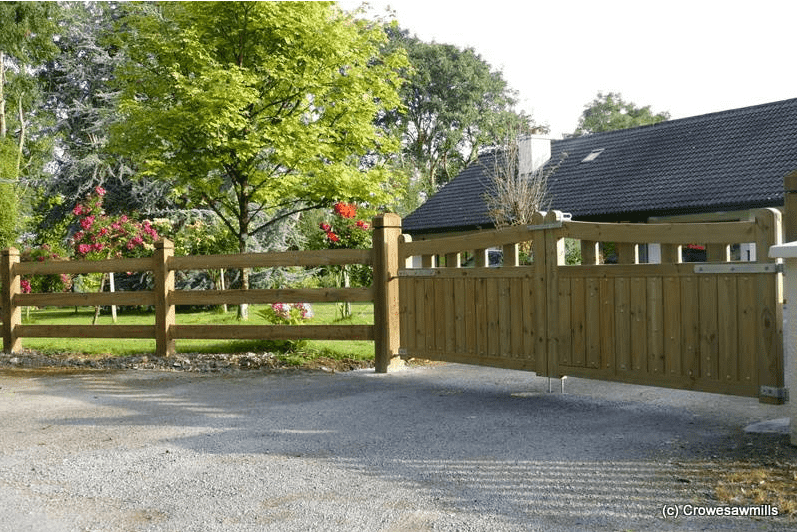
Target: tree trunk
point(243, 308)
point(2, 96)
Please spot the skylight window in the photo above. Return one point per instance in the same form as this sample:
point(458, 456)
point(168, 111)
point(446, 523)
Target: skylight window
point(593, 155)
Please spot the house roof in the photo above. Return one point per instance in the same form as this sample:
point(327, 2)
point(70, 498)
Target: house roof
point(722, 161)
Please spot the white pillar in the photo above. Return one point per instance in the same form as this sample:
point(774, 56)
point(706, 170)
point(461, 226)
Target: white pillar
point(788, 252)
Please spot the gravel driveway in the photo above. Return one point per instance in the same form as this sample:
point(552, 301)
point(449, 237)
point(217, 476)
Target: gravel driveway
point(445, 447)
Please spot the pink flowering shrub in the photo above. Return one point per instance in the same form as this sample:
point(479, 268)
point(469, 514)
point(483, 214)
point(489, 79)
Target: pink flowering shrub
point(101, 236)
point(44, 283)
point(287, 314)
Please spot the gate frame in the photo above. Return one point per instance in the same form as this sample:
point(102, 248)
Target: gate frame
point(547, 233)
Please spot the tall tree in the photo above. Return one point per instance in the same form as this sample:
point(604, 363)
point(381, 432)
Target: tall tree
point(81, 94)
point(609, 111)
point(26, 40)
point(256, 110)
point(455, 103)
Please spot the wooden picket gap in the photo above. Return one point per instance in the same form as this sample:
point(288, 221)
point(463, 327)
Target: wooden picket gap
point(164, 297)
point(714, 328)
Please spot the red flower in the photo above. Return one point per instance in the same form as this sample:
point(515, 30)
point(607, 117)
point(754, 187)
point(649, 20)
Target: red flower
point(345, 210)
point(24, 285)
point(333, 237)
point(99, 190)
point(325, 227)
point(362, 225)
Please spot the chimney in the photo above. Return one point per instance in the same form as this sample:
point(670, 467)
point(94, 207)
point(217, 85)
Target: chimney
point(533, 152)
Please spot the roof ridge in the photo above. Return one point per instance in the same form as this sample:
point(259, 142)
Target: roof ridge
point(680, 121)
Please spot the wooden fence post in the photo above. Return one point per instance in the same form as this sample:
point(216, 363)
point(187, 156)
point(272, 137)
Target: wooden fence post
point(387, 230)
point(11, 314)
point(164, 288)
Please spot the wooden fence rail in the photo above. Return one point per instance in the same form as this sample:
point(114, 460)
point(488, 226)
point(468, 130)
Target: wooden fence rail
point(164, 297)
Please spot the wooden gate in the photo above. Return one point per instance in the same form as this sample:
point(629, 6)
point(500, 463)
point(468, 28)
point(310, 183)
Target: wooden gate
point(713, 326)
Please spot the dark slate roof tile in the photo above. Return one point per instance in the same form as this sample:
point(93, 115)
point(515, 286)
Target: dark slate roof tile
point(719, 161)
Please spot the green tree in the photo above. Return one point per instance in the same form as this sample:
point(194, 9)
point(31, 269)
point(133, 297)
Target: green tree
point(609, 112)
point(26, 40)
point(455, 103)
point(256, 110)
point(81, 94)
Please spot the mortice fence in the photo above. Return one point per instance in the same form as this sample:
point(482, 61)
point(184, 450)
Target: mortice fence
point(164, 297)
point(713, 326)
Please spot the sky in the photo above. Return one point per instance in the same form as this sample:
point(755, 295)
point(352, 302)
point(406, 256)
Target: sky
point(684, 57)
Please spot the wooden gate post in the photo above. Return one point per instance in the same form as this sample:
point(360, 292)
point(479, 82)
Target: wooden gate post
point(387, 230)
point(11, 314)
point(770, 307)
point(164, 288)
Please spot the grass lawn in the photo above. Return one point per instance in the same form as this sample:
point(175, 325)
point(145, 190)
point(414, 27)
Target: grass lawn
point(325, 313)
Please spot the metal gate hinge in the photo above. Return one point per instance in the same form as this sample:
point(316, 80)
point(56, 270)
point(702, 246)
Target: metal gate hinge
point(774, 392)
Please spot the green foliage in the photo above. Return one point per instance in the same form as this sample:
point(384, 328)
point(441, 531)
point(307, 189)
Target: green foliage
point(8, 194)
point(199, 237)
point(28, 28)
point(256, 107)
point(572, 251)
point(609, 112)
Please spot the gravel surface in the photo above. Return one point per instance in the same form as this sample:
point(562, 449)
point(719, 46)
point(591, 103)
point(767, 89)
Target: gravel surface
point(443, 447)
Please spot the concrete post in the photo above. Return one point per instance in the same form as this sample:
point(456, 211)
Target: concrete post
point(788, 252)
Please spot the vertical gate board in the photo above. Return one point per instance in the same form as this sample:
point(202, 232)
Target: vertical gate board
point(517, 317)
point(529, 333)
point(607, 326)
point(450, 327)
point(593, 320)
point(460, 342)
point(655, 326)
point(420, 321)
point(578, 332)
point(747, 334)
point(622, 324)
point(726, 321)
point(638, 316)
point(407, 303)
point(690, 327)
point(424, 309)
point(481, 317)
point(565, 322)
point(493, 330)
point(504, 312)
point(672, 326)
point(428, 314)
point(471, 304)
point(709, 344)
point(438, 316)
